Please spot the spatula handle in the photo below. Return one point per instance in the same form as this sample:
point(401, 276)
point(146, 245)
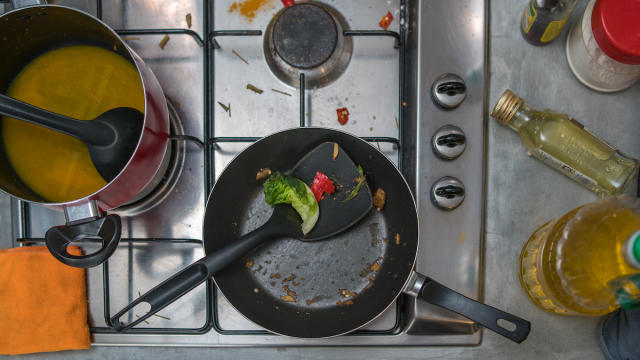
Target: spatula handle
point(195, 274)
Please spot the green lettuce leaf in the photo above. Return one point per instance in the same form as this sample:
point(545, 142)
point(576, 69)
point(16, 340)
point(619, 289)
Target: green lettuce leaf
point(285, 189)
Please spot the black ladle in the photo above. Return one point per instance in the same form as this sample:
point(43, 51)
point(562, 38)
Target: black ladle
point(110, 138)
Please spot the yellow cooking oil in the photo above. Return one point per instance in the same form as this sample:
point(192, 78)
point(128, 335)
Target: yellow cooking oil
point(565, 145)
point(80, 81)
point(586, 262)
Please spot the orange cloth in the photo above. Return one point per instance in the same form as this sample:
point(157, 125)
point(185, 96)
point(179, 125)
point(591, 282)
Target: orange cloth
point(43, 303)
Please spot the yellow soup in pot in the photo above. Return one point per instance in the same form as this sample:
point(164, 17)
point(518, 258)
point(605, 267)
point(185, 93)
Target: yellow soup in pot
point(79, 81)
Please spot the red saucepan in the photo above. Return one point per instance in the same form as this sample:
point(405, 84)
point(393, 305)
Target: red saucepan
point(30, 31)
point(314, 289)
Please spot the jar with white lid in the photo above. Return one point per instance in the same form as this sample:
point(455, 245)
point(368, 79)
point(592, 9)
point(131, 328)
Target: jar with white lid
point(603, 48)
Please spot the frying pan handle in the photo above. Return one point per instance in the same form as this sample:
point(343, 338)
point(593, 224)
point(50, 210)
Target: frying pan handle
point(195, 274)
point(108, 229)
point(485, 315)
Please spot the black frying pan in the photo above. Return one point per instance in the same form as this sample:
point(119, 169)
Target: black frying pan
point(336, 284)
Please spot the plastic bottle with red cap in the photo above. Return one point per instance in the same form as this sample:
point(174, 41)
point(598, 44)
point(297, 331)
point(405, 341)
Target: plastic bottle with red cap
point(603, 48)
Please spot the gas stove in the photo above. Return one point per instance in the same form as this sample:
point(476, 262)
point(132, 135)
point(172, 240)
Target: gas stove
point(417, 91)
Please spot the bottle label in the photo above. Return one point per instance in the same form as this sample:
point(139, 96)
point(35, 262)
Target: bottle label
point(627, 291)
point(528, 17)
point(553, 29)
point(570, 172)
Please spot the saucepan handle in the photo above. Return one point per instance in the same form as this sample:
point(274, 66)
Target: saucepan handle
point(435, 293)
point(107, 228)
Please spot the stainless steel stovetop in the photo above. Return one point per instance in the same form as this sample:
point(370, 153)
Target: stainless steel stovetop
point(386, 87)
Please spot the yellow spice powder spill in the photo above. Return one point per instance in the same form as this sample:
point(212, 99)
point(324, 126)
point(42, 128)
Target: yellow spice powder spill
point(248, 8)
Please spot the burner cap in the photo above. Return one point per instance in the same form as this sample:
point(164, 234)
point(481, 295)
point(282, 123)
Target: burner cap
point(305, 36)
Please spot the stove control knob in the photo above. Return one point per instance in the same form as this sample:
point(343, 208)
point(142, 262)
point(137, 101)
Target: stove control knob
point(448, 142)
point(447, 193)
point(449, 91)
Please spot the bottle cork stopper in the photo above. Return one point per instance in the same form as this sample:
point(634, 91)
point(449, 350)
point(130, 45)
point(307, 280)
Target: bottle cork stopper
point(506, 107)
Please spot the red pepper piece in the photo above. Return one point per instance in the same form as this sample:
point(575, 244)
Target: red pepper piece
point(343, 115)
point(288, 3)
point(321, 184)
point(386, 21)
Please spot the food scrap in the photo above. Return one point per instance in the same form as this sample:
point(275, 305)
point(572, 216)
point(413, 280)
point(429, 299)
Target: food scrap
point(348, 294)
point(289, 291)
point(361, 181)
point(343, 115)
point(386, 20)
point(188, 19)
point(321, 184)
point(379, 199)
point(335, 150)
point(254, 89)
point(347, 303)
point(263, 173)
point(281, 92)
point(239, 57)
point(397, 239)
point(287, 298)
point(249, 264)
point(226, 108)
point(289, 278)
point(370, 284)
point(315, 299)
point(375, 266)
point(274, 276)
point(248, 8)
point(164, 42)
point(255, 290)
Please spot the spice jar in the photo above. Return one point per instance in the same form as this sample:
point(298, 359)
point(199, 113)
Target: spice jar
point(603, 48)
point(543, 20)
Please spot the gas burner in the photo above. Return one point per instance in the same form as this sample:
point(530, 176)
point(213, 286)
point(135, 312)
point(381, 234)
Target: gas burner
point(307, 38)
point(166, 176)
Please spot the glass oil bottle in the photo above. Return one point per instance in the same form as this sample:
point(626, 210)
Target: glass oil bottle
point(565, 145)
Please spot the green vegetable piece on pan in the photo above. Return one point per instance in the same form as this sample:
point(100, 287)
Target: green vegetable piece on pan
point(284, 189)
point(355, 191)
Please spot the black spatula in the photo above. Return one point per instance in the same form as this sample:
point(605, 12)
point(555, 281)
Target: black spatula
point(336, 215)
point(110, 138)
